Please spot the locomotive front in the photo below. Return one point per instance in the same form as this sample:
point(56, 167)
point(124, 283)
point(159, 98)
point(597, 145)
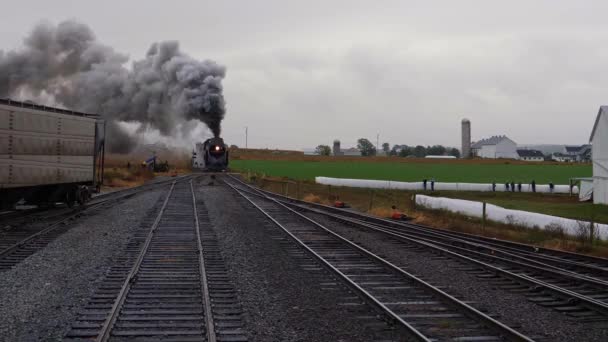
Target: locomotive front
point(216, 155)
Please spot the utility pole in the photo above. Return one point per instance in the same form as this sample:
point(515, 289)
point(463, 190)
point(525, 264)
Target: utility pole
point(246, 135)
point(377, 142)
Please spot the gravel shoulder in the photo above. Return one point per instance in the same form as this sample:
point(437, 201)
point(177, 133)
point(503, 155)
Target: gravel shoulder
point(285, 295)
point(510, 308)
point(41, 296)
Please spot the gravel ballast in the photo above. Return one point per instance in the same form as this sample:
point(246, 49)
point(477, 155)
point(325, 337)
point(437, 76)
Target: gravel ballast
point(510, 308)
point(41, 296)
point(286, 296)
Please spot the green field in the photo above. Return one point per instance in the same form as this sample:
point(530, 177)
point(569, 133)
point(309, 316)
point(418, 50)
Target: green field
point(411, 172)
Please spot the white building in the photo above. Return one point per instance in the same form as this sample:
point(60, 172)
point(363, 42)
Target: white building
point(580, 153)
point(353, 151)
point(530, 155)
point(561, 157)
point(599, 156)
point(495, 147)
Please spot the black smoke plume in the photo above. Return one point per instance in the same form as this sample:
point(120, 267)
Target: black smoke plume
point(164, 90)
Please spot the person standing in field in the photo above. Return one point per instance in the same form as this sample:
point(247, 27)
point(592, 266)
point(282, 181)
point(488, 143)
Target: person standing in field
point(494, 186)
point(424, 184)
point(512, 186)
point(432, 184)
point(551, 187)
point(533, 184)
point(507, 186)
point(519, 186)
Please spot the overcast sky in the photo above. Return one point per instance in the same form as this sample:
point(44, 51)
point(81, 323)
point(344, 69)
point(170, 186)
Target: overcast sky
point(302, 73)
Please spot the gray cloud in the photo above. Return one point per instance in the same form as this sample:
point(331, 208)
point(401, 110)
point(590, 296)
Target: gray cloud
point(161, 91)
point(304, 73)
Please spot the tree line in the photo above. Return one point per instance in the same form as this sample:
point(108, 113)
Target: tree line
point(368, 149)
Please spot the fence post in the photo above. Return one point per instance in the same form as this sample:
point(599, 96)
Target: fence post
point(592, 225)
point(483, 217)
point(414, 202)
point(297, 189)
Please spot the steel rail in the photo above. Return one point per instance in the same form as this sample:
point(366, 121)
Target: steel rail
point(531, 250)
point(79, 211)
point(106, 328)
point(591, 303)
point(478, 315)
point(492, 253)
point(211, 336)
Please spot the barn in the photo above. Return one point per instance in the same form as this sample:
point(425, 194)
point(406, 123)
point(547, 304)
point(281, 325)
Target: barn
point(599, 156)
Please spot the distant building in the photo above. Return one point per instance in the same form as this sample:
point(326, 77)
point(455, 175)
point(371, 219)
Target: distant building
point(353, 151)
point(310, 151)
point(561, 157)
point(580, 153)
point(495, 147)
point(530, 155)
point(599, 139)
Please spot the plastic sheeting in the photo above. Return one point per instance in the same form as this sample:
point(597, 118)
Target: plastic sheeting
point(509, 216)
point(586, 193)
point(382, 184)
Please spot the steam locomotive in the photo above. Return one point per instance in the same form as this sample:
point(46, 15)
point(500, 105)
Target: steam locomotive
point(211, 155)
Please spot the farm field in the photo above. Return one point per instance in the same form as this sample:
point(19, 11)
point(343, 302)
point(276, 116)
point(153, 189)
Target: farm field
point(441, 171)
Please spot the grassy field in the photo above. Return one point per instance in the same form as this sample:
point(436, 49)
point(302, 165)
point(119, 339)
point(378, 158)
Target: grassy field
point(441, 171)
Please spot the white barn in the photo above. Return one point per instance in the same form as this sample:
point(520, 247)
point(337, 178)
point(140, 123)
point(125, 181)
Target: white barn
point(599, 156)
point(495, 147)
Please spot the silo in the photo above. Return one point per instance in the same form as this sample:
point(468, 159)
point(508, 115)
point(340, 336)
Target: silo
point(336, 149)
point(466, 139)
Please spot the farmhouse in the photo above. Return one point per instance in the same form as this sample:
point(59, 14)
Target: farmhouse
point(495, 147)
point(530, 155)
point(580, 153)
point(599, 155)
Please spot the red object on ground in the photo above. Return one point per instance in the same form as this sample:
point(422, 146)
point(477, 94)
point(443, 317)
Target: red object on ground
point(339, 204)
point(397, 215)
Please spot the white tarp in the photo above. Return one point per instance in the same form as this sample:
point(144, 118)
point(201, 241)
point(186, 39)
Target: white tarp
point(382, 184)
point(509, 216)
point(586, 193)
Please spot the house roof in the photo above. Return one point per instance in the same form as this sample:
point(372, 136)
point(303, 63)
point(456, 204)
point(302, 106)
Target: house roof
point(577, 149)
point(530, 153)
point(562, 155)
point(493, 140)
point(602, 110)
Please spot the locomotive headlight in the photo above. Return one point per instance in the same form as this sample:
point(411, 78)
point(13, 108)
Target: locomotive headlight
point(217, 148)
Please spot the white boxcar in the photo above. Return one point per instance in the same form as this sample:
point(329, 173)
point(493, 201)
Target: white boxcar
point(48, 154)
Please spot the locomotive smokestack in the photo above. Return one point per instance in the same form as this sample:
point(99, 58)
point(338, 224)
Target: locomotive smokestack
point(65, 65)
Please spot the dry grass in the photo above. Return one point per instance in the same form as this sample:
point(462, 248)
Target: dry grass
point(381, 212)
point(123, 177)
point(312, 198)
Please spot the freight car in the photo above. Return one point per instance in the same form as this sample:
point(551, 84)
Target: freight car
point(211, 155)
point(48, 155)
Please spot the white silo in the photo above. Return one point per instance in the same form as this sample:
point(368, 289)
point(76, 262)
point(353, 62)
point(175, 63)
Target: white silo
point(466, 139)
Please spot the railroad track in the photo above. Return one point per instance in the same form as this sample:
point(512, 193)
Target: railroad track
point(579, 289)
point(18, 244)
point(414, 307)
point(170, 285)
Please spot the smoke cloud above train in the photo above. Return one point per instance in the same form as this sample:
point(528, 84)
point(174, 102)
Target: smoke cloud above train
point(66, 65)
